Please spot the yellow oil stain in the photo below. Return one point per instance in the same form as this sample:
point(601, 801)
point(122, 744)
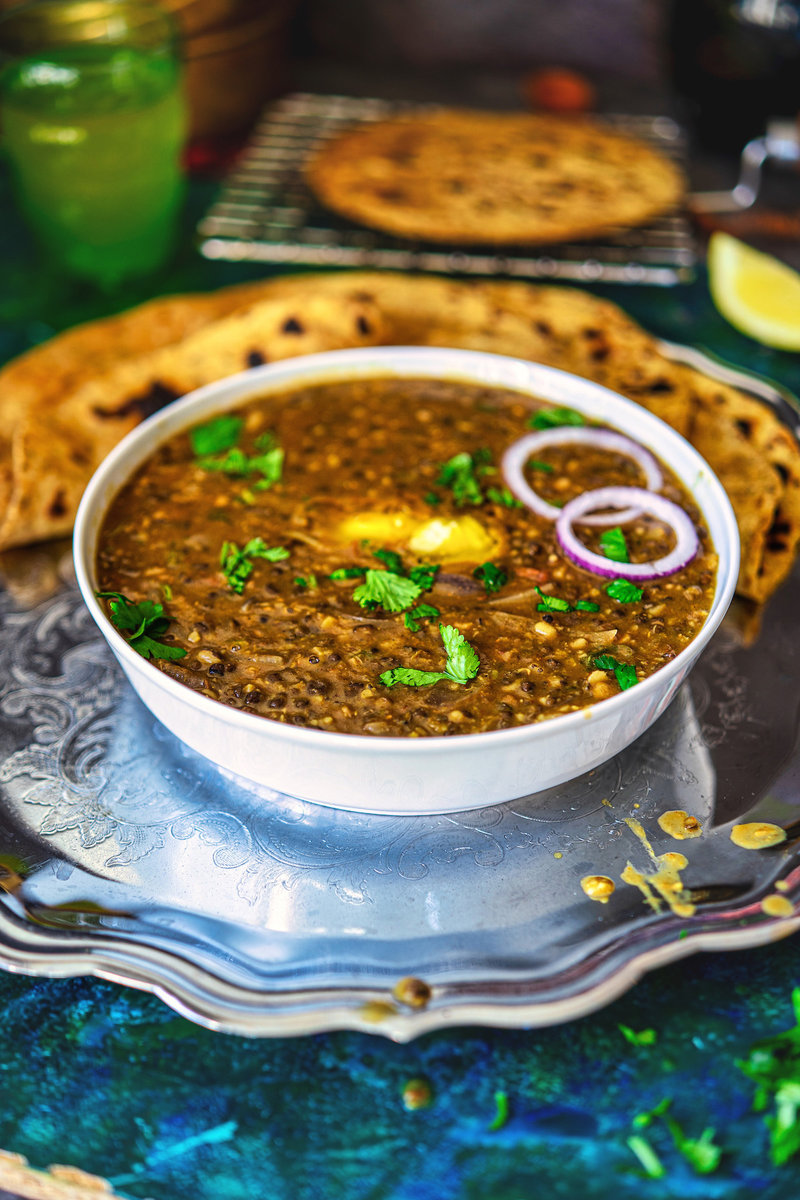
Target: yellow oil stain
point(777, 906)
point(757, 835)
point(598, 887)
point(679, 824)
point(665, 880)
point(375, 1011)
point(637, 879)
point(557, 854)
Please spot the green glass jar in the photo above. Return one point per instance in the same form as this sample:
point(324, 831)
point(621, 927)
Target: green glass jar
point(93, 125)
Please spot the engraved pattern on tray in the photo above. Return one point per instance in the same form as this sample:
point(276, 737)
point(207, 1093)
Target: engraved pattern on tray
point(267, 213)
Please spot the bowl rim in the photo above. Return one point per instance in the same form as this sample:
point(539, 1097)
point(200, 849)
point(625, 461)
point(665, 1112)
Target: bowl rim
point(468, 366)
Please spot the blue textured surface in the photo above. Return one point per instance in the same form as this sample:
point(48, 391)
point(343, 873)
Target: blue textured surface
point(112, 1081)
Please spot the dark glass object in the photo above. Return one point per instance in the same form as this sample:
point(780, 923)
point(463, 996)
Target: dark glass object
point(735, 63)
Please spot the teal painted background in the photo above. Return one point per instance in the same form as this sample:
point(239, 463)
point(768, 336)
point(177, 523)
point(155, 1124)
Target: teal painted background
point(111, 1080)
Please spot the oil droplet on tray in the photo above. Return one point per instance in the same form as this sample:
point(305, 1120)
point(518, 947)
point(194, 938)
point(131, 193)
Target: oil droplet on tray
point(598, 887)
point(777, 906)
point(757, 835)
point(679, 824)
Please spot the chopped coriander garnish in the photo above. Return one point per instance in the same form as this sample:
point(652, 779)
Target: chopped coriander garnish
point(461, 666)
point(501, 1112)
point(773, 1064)
point(644, 1119)
point(167, 592)
point(624, 672)
point(390, 591)
point(432, 499)
point(422, 612)
point(424, 575)
point(141, 624)
point(305, 581)
point(536, 464)
point(651, 1163)
point(645, 1037)
point(493, 577)
point(624, 591)
point(551, 418)
point(216, 436)
point(269, 465)
point(246, 496)
point(392, 560)
point(237, 565)
point(503, 496)
point(348, 573)
point(460, 473)
point(614, 545)
point(552, 603)
point(701, 1153)
point(587, 606)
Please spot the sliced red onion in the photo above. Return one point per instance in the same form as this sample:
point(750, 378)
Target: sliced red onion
point(517, 455)
point(573, 513)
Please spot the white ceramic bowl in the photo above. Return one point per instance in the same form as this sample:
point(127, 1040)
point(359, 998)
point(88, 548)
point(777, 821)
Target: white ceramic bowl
point(413, 775)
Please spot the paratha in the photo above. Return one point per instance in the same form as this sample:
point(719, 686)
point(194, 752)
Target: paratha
point(751, 451)
point(462, 176)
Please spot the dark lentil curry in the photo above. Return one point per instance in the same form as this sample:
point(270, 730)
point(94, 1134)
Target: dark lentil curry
point(255, 551)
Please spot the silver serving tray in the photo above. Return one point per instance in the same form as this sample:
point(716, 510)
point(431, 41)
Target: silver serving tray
point(266, 212)
point(125, 855)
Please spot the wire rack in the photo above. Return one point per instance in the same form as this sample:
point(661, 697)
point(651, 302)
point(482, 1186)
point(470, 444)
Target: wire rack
point(266, 211)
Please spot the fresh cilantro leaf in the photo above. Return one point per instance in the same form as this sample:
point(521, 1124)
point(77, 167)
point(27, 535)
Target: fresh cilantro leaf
point(149, 648)
point(552, 603)
point(460, 474)
point(536, 464)
point(237, 565)
point(651, 1163)
point(391, 558)
point(411, 677)
point(626, 676)
point(614, 545)
point(462, 659)
point(501, 1112)
point(139, 622)
point(701, 1153)
point(645, 1037)
point(269, 466)
point(503, 496)
point(422, 612)
point(625, 672)
point(587, 606)
point(432, 499)
point(305, 581)
point(551, 418)
point(265, 440)
point(216, 436)
point(624, 591)
point(235, 462)
point(348, 573)
point(461, 666)
point(167, 592)
point(424, 575)
point(773, 1064)
point(392, 592)
point(246, 496)
point(493, 577)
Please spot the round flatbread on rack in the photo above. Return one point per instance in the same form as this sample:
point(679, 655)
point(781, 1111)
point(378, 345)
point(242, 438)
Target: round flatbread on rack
point(460, 176)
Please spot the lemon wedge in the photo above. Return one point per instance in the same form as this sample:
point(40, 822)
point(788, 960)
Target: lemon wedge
point(755, 292)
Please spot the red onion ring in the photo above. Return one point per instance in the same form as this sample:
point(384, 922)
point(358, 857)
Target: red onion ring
point(687, 541)
point(518, 453)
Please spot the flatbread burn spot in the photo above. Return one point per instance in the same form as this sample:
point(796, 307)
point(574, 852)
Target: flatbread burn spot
point(255, 358)
point(58, 505)
point(661, 386)
point(292, 325)
point(156, 397)
point(363, 325)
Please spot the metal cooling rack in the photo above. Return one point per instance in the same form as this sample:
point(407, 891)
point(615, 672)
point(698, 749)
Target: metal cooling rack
point(267, 213)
